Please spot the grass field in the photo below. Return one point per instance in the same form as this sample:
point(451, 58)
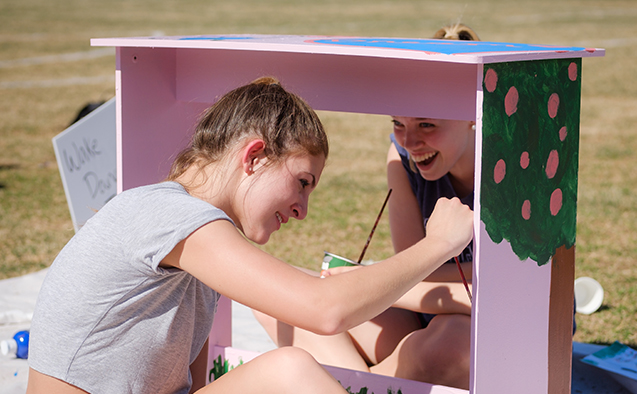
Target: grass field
point(48, 71)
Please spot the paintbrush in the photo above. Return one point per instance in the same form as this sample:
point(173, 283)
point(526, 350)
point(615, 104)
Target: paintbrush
point(464, 280)
point(374, 228)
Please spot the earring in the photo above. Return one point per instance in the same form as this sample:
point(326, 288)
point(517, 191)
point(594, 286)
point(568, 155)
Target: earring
point(473, 127)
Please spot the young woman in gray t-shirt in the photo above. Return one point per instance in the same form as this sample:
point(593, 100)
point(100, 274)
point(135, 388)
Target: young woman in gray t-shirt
point(128, 303)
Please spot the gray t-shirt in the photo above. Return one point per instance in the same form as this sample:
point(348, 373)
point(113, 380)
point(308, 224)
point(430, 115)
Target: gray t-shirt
point(108, 319)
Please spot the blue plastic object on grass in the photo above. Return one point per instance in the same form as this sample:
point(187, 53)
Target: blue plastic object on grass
point(18, 345)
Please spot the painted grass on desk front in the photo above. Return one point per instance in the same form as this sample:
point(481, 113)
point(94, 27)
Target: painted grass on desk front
point(41, 91)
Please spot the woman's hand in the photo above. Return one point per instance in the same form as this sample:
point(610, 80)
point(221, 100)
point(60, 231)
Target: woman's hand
point(338, 270)
point(451, 222)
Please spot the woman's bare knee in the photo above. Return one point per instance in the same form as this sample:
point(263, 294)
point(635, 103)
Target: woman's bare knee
point(438, 354)
point(443, 355)
point(446, 342)
point(283, 370)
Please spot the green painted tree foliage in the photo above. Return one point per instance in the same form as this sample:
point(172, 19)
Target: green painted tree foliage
point(365, 390)
point(530, 155)
point(220, 367)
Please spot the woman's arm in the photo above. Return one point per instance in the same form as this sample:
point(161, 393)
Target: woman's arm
point(219, 256)
point(405, 217)
point(406, 222)
point(436, 298)
point(449, 273)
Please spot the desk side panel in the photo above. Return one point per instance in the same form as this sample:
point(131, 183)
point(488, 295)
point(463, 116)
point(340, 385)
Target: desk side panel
point(155, 126)
point(510, 322)
point(528, 198)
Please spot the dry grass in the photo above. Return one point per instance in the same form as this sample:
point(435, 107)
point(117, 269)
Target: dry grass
point(39, 97)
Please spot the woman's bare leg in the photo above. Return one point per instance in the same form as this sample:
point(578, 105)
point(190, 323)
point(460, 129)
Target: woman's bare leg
point(378, 338)
point(438, 354)
point(364, 345)
point(393, 343)
point(336, 350)
point(280, 371)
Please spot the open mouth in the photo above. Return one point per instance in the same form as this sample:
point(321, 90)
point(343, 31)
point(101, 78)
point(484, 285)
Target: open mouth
point(424, 159)
point(278, 216)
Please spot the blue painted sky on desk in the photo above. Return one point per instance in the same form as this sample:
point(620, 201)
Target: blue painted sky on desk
point(448, 47)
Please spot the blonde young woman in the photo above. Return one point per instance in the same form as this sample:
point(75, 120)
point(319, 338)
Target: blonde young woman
point(425, 336)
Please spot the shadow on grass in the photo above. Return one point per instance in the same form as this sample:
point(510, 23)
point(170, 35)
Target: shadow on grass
point(603, 307)
point(6, 167)
point(9, 166)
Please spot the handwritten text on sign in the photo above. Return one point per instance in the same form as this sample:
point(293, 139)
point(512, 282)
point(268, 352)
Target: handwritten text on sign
point(86, 155)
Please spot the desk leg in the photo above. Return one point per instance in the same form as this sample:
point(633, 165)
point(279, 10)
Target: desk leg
point(561, 321)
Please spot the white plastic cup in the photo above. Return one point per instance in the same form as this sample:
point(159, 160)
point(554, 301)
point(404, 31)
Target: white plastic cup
point(589, 295)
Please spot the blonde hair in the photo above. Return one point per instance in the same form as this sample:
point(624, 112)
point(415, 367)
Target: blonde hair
point(457, 31)
point(261, 109)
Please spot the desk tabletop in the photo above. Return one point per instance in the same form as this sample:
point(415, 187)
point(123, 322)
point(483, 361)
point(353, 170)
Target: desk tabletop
point(473, 52)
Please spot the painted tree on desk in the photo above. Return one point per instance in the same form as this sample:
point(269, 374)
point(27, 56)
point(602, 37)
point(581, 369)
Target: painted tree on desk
point(530, 155)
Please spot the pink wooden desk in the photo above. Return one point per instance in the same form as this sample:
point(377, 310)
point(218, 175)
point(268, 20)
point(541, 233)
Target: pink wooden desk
point(525, 100)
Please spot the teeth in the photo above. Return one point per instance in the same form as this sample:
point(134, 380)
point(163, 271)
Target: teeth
point(278, 216)
point(423, 157)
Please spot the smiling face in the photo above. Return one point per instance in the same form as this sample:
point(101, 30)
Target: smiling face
point(438, 147)
point(278, 192)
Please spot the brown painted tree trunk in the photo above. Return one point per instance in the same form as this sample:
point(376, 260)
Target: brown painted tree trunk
point(561, 321)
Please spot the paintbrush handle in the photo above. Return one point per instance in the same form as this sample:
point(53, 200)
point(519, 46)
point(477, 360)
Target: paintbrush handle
point(374, 228)
point(464, 280)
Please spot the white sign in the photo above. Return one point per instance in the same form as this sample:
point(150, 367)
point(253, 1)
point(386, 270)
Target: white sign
point(86, 157)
